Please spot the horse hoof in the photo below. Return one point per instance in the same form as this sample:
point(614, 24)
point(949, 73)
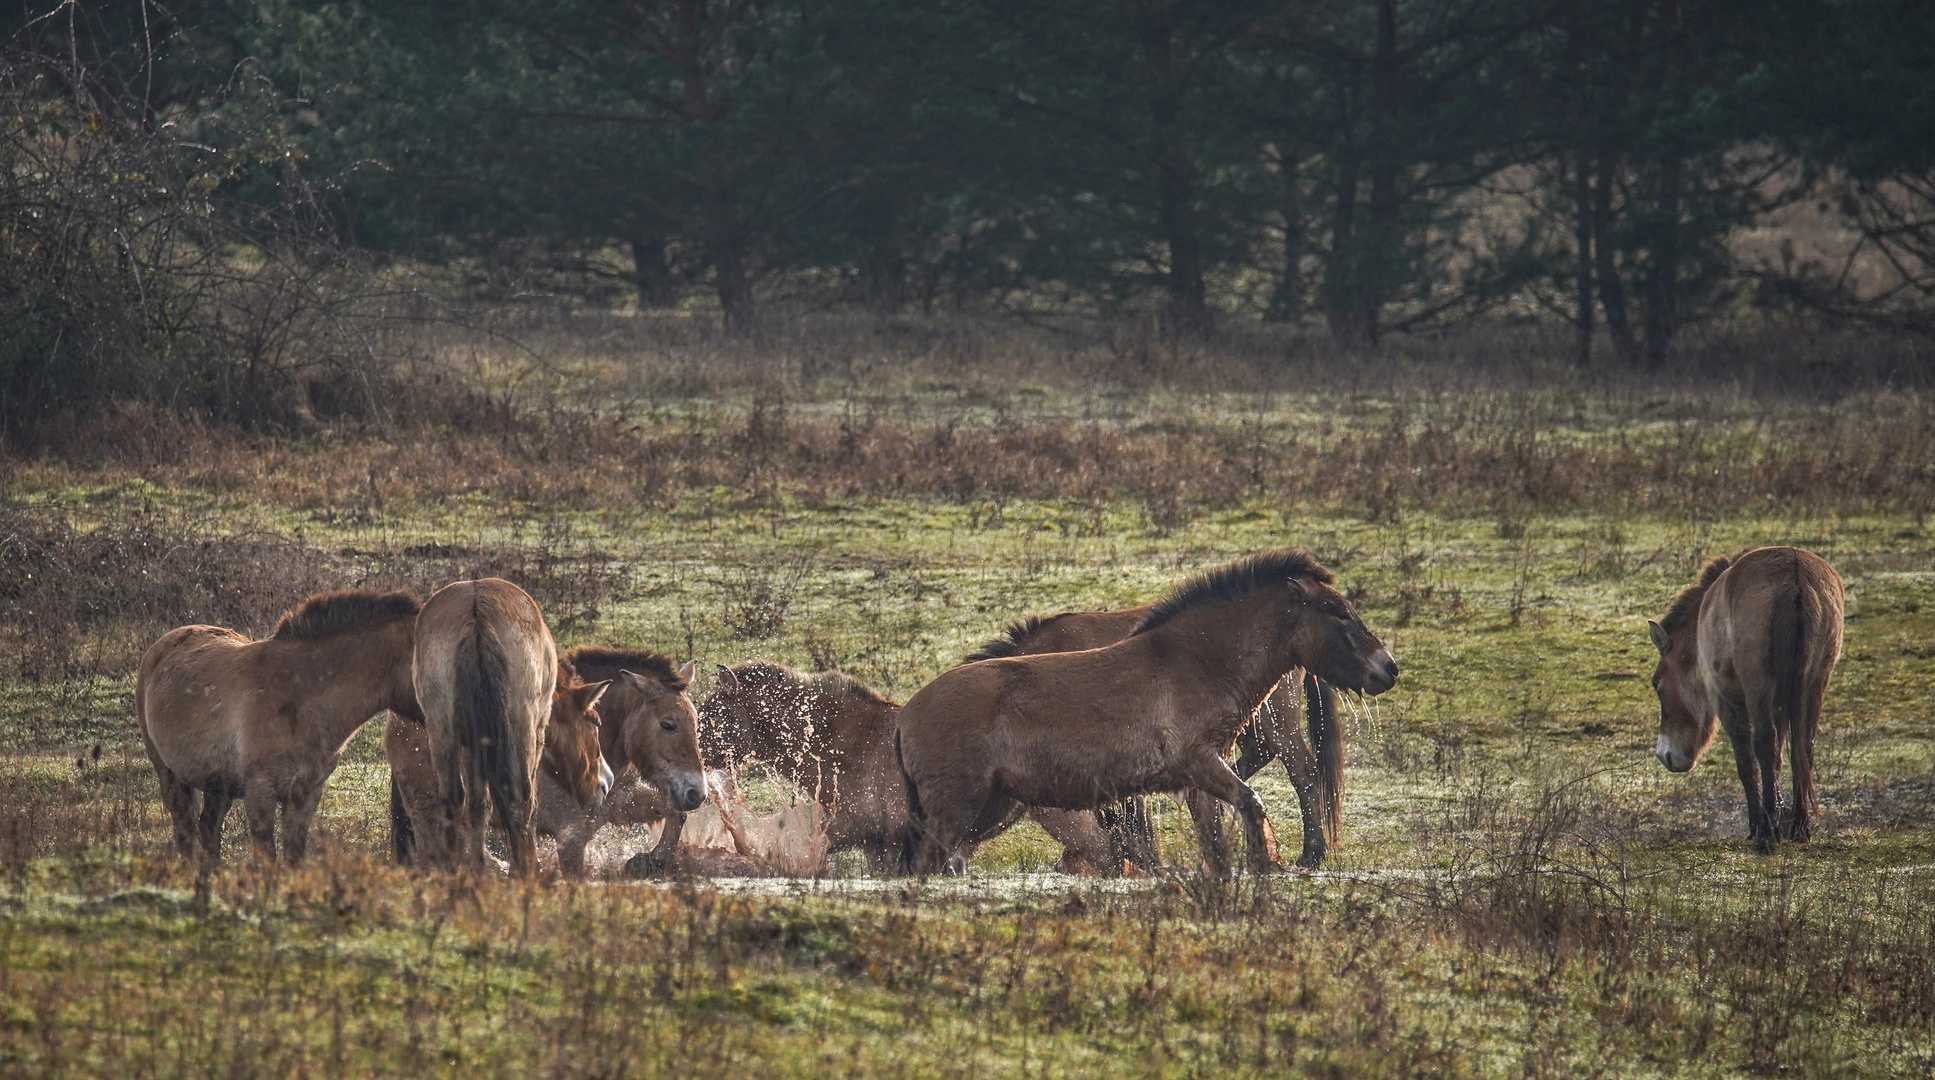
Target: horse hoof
point(643, 865)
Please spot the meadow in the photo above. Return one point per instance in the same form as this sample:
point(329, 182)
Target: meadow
point(1519, 889)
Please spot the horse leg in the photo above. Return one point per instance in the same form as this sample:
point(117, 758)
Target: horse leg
point(1214, 777)
point(1801, 762)
point(298, 813)
point(259, 806)
point(215, 803)
point(1085, 846)
point(1132, 837)
point(1767, 740)
point(1740, 736)
point(1206, 814)
point(178, 797)
point(1301, 764)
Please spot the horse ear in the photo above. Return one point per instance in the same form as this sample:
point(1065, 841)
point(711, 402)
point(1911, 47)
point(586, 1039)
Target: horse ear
point(1661, 640)
point(634, 680)
point(588, 694)
point(689, 669)
point(727, 680)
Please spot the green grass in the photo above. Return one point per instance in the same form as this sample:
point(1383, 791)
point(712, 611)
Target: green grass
point(1519, 889)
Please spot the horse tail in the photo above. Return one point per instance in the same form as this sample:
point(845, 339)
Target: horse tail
point(1788, 661)
point(1327, 744)
point(484, 714)
point(911, 836)
point(403, 835)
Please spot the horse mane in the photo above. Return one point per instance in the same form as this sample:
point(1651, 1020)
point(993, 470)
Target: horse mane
point(1237, 579)
point(1012, 638)
point(327, 614)
point(647, 662)
point(841, 684)
point(1686, 605)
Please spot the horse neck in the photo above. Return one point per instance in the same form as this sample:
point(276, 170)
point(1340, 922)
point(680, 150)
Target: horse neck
point(378, 663)
point(1241, 644)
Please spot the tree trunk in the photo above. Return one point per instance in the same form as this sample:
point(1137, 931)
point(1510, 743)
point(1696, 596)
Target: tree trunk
point(1375, 254)
point(1582, 238)
point(1343, 271)
point(652, 274)
point(1660, 302)
point(1286, 301)
point(1188, 309)
point(1612, 292)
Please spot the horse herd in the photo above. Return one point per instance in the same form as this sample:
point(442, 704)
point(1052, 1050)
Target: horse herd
point(1071, 719)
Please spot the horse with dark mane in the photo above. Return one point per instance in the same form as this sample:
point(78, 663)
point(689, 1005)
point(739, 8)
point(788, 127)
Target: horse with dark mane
point(1157, 711)
point(650, 737)
point(1316, 767)
point(834, 738)
point(1749, 648)
point(266, 721)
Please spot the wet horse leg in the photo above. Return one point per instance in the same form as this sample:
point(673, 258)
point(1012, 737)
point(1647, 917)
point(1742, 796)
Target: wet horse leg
point(1301, 764)
point(1206, 814)
point(1213, 777)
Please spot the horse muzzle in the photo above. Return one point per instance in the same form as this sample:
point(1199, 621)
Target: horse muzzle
point(605, 779)
point(1671, 758)
point(1383, 673)
point(688, 791)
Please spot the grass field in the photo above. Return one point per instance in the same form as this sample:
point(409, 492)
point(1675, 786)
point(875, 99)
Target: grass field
point(1519, 889)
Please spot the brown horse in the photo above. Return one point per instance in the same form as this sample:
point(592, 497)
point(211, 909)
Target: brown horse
point(1157, 711)
point(834, 738)
point(650, 736)
point(265, 721)
point(572, 776)
point(1750, 648)
point(485, 671)
point(1317, 777)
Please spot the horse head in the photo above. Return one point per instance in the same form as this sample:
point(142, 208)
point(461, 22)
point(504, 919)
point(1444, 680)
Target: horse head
point(573, 755)
point(662, 738)
point(1687, 717)
point(1332, 643)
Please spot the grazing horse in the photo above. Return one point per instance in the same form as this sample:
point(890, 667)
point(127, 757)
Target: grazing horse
point(573, 776)
point(650, 736)
point(485, 671)
point(834, 738)
point(1157, 711)
point(1316, 768)
point(265, 721)
point(1750, 648)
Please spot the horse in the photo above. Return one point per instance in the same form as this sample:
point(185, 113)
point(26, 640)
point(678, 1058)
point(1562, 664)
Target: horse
point(833, 737)
point(1316, 775)
point(650, 736)
point(266, 721)
point(485, 671)
point(573, 776)
point(1750, 648)
point(1157, 711)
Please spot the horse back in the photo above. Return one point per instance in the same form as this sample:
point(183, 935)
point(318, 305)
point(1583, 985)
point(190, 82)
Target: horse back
point(1076, 631)
point(190, 693)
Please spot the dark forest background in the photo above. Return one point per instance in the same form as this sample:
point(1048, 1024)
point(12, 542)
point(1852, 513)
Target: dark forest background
point(202, 197)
